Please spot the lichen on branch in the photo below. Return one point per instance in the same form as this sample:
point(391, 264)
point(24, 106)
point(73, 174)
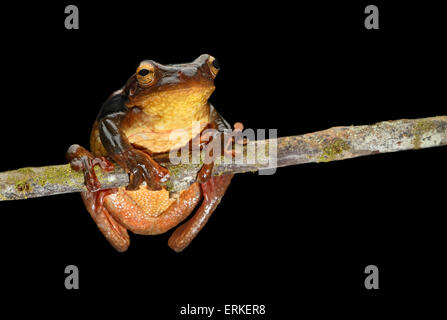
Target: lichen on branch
point(336, 143)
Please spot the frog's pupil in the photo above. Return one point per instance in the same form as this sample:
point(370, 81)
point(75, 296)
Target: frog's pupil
point(216, 64)
point(143, 72)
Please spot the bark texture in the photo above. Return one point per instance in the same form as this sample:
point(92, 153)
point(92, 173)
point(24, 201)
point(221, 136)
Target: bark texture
point(333, 144)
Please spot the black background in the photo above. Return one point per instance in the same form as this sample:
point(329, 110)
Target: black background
point(295, 241)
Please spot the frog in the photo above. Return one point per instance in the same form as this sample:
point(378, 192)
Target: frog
point(159, 109)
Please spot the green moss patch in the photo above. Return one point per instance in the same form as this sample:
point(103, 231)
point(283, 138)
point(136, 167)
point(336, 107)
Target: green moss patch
point(419, 129)
point(332, 149)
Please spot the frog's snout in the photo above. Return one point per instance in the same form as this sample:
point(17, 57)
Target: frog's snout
point(188, 72)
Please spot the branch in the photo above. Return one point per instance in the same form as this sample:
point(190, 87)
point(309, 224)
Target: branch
point(336, 143)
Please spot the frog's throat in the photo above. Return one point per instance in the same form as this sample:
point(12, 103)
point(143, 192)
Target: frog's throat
point(159, 139)
point(176, 117)
point(176, 108)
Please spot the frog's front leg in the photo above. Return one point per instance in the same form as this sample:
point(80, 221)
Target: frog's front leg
point(82, 160)
point(223, 136)
point(140, 166)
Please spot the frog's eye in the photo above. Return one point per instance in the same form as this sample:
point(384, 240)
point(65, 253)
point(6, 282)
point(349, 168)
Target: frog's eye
point(145, 74)
point(214, 66)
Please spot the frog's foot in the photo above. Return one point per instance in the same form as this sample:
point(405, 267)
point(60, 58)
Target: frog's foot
point(142, 168)
point(114, 232)
point(235, 138)
point(229, 140)
point(213, 191)
point(82, 160)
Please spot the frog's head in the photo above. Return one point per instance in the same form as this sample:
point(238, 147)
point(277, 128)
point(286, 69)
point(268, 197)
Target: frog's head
point(162, 90)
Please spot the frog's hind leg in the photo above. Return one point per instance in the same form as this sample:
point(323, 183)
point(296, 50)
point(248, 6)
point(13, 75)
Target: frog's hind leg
point(115, 233)
point(213, 191)
point(82, 160)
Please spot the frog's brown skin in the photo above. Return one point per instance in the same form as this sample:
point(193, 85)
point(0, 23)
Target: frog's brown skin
point(135, 123)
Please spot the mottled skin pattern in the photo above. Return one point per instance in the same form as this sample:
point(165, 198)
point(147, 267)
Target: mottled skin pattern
point(136, 122)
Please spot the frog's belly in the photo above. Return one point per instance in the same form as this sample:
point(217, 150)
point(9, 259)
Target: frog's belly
point(163, 141)
point(152, 203)
point(151, 212)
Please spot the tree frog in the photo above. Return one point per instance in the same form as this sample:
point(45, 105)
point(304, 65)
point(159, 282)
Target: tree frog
point(160, 108)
